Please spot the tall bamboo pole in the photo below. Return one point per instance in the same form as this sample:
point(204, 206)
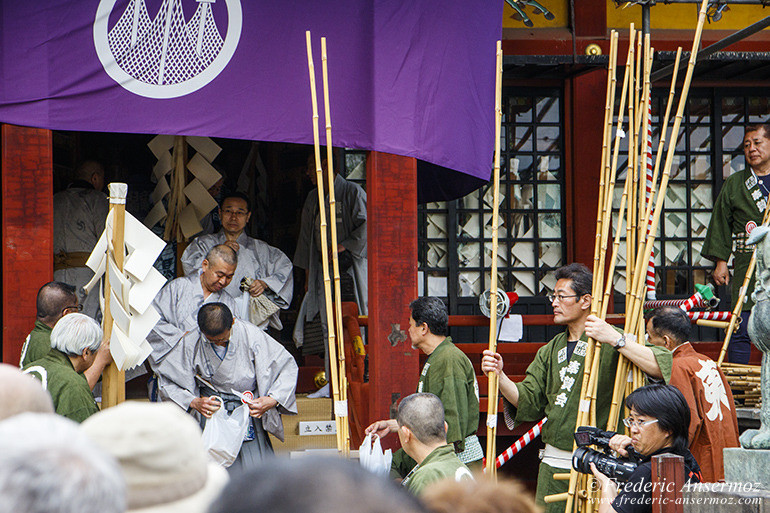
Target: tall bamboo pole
point(492, 389)
point(609, 107)
point(324, 245)
point(633, 94)
point(341, 407)
point(114, 379)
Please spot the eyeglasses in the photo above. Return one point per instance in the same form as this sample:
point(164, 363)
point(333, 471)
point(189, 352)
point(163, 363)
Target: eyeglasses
point(561, 297)
point(78, 308)
point(234, 213)
point(630, 423)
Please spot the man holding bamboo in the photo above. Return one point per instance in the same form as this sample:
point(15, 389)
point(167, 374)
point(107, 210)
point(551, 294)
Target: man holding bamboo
point(552, 386)
point(713, 422)
point(740, 207)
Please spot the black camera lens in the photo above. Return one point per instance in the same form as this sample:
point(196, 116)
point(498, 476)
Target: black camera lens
point(614, 468)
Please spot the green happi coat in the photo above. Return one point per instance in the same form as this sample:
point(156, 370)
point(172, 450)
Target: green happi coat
point(442, 463)
point(37, 345)
point(72, 397)
point(551, 389)
point(739, 207)
point(449, 374)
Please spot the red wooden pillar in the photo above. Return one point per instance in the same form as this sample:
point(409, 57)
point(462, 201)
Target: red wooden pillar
point(27, 219)
point(392, 251)
point(586, 95)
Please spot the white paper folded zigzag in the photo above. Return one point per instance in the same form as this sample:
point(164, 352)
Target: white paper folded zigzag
point(131, 291)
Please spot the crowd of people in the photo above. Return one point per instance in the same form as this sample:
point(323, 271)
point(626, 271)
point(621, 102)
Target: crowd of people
point(212, 349)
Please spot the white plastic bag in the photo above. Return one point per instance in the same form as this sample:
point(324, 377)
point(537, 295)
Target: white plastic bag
point(372, 457)
point(223, 434)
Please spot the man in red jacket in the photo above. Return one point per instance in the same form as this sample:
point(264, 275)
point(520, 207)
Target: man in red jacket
point(713, 424)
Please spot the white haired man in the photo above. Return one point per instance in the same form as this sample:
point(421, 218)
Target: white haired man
point(48, 464)
point(74, 342)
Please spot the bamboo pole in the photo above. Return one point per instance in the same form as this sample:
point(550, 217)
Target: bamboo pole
point(114, 379)
point(492, 389)
point(609, 107)
point(669, 161)
point(342, 407)
point(631, 169)
point(324, 245)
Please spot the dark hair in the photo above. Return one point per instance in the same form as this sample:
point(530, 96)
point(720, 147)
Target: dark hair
point(431, 311)
point(423, 414)
point(763, 127)
point(52, 298)
point(667, 404)
point(238, 195)
point(671, 321)
point(582, 279)
point(214, 319)
point(313, 485)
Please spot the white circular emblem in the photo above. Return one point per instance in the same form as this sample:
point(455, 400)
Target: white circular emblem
point(750, 226)
point(168, 56)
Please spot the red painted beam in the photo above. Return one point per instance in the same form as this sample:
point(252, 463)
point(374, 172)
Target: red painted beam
point(27, 220)
point(392, 251)
point(590, 18)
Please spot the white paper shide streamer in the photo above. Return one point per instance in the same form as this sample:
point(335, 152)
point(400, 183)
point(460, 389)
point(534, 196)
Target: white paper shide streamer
point(131, 290)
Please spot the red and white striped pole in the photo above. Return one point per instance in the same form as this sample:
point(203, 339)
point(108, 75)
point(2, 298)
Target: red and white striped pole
point(651, 265)
point(709, 316)
point(520, 443)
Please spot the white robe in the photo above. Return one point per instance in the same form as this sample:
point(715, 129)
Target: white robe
point(351, 234)
point(253, 362)
point(79, 215)
point(256, 259)
point(178, 303)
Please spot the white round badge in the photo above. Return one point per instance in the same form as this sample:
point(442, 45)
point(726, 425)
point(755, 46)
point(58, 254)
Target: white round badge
point(168, 56)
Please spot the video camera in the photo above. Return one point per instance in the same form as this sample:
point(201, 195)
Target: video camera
point(615, 468)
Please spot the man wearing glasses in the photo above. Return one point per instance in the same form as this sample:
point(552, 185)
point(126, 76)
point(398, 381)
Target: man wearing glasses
point(552, 385)
point(55, 300)
point(269, 269)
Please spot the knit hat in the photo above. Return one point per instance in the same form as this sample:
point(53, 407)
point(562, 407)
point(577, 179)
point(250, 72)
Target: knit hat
point(160, 451)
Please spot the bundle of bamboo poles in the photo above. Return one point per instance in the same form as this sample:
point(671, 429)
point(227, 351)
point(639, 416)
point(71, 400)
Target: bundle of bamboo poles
point(640, 208)
point(338, 378)
point(746, 381)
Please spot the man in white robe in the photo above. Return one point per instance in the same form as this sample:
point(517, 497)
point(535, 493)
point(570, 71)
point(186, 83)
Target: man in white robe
point(224, 355)
point(179, 300)
point(351, 250)
point(269, 267)
point(79, 214)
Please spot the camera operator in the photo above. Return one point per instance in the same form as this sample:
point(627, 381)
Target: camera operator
point(658, 422)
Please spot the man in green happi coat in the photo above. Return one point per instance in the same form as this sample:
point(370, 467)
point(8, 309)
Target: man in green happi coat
point(422, 433)
point(448, 374)
point(552, 385)
point(739, 209)
point(75, 341)
point(54, 300)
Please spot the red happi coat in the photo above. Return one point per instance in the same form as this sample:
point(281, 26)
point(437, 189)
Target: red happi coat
point(713, 423)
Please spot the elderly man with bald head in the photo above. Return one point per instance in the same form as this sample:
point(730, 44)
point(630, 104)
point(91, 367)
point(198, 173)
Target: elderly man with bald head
point(179, 300)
